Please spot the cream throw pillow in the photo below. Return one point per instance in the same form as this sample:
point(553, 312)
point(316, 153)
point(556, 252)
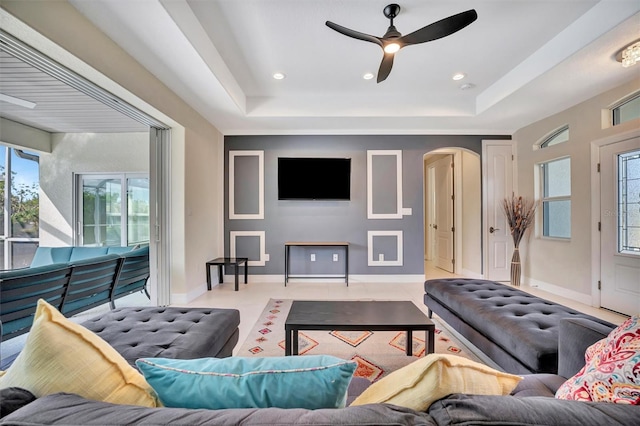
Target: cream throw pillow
point(62, 356)
point(433, 377)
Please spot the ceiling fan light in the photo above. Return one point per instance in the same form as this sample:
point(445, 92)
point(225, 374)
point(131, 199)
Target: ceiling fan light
point(458, 76)
point(392, 48)
point(368, 76)
point(278, 76)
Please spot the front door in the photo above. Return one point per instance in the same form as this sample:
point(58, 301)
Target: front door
point(620, 226)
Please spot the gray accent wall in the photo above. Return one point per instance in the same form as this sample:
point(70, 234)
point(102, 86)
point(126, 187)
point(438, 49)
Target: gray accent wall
point(338, 220)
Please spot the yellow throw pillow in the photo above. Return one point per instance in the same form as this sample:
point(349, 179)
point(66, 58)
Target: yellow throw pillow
point(62, 356)
point(433, 377)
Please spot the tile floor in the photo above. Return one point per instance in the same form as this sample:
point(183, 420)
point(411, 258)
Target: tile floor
point(251, 298)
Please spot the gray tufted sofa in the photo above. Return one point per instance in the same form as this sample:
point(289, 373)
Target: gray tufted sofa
point(515, 329)
point(168, 332)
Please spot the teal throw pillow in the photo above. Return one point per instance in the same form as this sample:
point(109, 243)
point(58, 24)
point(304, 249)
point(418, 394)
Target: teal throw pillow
point(310, 381)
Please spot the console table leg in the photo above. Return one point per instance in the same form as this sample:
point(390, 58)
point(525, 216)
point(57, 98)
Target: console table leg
point(409, 343)
point(208, 277)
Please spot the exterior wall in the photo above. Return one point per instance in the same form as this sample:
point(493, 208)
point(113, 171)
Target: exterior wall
point(565, 267)
point(347, 220)
point(111, 67)
point(82, 153)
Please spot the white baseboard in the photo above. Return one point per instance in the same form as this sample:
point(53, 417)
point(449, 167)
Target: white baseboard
point(184, 298)
point(378, 278)
point(470, 274)
point(585, 299)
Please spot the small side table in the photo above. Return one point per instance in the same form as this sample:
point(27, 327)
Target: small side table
point(226, 261)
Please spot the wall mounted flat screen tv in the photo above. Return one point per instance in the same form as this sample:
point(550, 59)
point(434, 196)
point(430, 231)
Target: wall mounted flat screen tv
point(314, 178)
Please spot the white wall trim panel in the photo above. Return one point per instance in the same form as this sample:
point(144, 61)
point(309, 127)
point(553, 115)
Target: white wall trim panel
point(371, 235)
point(399, 210)
point(260, 213)
point(260, 234)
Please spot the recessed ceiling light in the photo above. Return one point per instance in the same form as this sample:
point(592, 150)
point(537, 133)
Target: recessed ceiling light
point(467, 86)
point(368, 76)
point(278, 76)
point(458, 76)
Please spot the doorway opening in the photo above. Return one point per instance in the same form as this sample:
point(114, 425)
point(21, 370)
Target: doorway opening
point(452, 213)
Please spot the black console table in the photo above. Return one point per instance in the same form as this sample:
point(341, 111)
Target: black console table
point(288, 245)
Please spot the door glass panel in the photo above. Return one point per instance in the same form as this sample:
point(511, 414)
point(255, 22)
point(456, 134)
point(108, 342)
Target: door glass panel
point(629, 203)
point(25, 205)
point(101, 212)
point(137, 211)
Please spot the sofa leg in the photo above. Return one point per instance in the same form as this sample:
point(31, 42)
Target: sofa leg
point(112, 305)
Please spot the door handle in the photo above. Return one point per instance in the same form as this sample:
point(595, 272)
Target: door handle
point(492, 229)
point(435, 226)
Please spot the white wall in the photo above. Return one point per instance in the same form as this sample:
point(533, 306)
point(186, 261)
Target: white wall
point(564, 267)
point(471, 217)
point(82, 153)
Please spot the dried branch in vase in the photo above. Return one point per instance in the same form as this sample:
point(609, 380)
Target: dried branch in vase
point(520, 213)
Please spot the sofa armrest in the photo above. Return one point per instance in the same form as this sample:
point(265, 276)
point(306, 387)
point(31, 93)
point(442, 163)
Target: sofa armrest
point(574, 337)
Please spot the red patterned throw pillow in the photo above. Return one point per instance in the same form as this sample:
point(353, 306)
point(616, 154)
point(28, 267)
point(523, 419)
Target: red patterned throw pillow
point(612, 369)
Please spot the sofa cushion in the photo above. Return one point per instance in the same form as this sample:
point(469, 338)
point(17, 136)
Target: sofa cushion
point(540, 384)
point(67, 409)
point(62, 356)
point(612, 369)
point(510, 410)
point(169, 332)
point(312, 382)
point(435, 376)
point(50, 255)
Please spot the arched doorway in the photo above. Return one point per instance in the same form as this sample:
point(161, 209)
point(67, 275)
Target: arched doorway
point(452, 213)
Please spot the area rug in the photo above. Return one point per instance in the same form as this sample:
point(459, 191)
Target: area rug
point(377, 353)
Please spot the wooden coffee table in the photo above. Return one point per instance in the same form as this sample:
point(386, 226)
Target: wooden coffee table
point(356, 315)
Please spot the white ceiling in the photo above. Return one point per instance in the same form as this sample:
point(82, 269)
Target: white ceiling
point(527, 60)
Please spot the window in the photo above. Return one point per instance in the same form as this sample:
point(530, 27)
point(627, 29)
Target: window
point(627, 110)
point(629, 203)
point(556, 198)
point(559, 136)
point(113, 209)
point(19, 195)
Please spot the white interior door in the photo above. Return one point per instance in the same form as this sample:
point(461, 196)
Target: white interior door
point(498, 183)
point(620, 226)
point(431, 214)
point(444, 213)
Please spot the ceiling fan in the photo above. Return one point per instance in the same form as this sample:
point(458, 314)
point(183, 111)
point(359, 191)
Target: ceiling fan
point(392, 40)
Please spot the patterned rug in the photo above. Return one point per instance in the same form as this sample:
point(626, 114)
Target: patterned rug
point(377, 353)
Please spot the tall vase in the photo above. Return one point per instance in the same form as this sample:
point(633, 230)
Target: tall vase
point(515, 268)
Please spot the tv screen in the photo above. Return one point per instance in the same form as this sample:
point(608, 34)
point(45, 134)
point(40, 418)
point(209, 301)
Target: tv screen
point(314, 178)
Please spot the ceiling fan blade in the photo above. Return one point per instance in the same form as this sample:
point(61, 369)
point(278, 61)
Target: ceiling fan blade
point(385, 67)
point(441, 28)
point(354, 34)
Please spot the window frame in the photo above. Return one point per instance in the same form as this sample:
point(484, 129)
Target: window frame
point(541, 222)
point(615, 117)
point(544, 143)
point(124, 210)
point(7, 238)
